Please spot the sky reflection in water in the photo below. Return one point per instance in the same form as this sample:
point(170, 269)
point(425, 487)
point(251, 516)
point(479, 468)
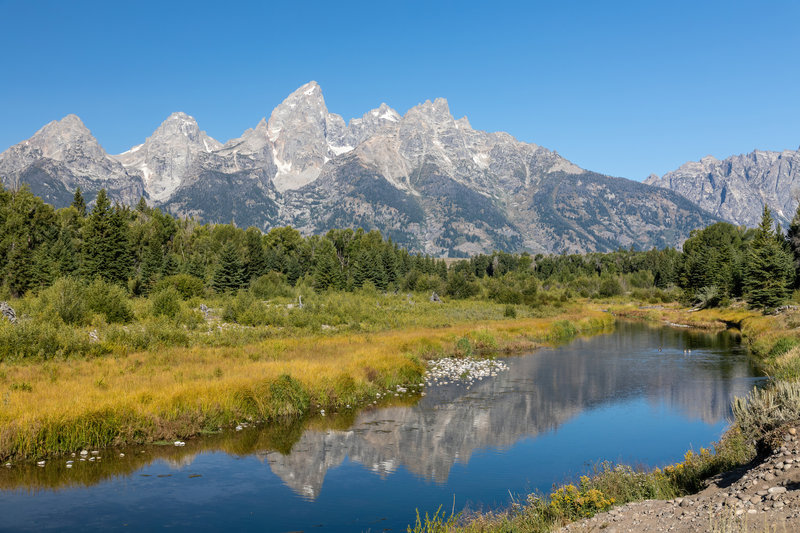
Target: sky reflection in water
point(633, 396)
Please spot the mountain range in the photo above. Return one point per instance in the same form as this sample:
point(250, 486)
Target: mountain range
point(426, 179)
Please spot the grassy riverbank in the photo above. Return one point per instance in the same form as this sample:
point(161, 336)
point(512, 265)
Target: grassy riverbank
point(610, 485)
point(774, 341)
point(61, 404)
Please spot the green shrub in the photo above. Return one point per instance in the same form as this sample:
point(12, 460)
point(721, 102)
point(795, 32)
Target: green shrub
point(461, 285)
point(428, 283)
point(236, 306)
point(641, 279)
point(483, 342)
point(510, 311)
point(166, 302)
point(463, 347)
point(764, 410)
point(505, 295)
point(256, 313)
point(191, 318)
point(66, 298)
point(288, 396)
point(609, 287)
point(109, 300)
point(709, 296)
point(188, 286)
point(271, 285)
point(562, 330)
point(149, 333)
point(45, 340)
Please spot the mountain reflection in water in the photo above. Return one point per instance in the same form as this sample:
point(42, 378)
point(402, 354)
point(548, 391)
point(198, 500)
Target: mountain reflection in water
point(536, 395)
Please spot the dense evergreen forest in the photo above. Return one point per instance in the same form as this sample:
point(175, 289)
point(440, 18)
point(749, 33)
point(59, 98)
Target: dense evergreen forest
point(144, 251)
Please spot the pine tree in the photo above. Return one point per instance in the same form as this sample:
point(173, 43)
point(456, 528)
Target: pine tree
point(391, 265)
point(44, 267)
point(64, 254)
point(327, 269)
point(26, 224)
point(441, 269)
point(170, 265)
point(229, 273)
point(377, 273)
point(361, 269)
point(255, 257)
point(195, 266)
point(152, 265)
point(294, 270)
point(793, 237)
point(78, 202)
point(121, 262)
point(768, 270)
point(106, 250)
point(19, 269)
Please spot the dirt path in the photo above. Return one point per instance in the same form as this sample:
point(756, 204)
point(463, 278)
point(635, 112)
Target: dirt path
point(761, 497)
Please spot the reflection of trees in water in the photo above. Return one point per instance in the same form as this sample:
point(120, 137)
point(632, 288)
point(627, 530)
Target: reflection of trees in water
point(55, 475)
point(537, 394)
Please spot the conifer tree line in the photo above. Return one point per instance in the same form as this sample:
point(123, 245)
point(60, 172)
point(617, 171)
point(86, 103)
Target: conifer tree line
point(139, 248)
point(717, 264)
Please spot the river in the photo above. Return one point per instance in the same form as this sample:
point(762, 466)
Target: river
point(639, 395)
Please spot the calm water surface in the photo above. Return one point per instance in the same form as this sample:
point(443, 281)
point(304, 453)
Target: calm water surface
point(633, 395)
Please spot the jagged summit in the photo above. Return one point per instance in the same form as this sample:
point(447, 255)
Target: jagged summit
point(302, 133)
point(182, 128)
point(384, 112)
point(430, 182)
point(165, 158)
point(737, 188)
point(306, 104)
point(64, 155)
point(59, 136)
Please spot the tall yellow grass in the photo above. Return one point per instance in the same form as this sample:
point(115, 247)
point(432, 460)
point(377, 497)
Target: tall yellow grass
point(61, 406)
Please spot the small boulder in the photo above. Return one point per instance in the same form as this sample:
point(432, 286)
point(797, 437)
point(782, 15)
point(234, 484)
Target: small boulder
point(8, 312)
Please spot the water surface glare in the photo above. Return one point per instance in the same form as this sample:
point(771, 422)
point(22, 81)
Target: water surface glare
point(639, 395)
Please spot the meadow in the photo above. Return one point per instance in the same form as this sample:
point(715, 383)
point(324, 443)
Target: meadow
point(168, 376)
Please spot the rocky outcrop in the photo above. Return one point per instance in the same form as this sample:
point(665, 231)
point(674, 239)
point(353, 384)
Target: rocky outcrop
point(737, 188)
point(7, 312)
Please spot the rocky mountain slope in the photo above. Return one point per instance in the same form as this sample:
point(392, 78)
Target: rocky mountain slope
point(64, 155)
point(428, 180)
point(737, 188)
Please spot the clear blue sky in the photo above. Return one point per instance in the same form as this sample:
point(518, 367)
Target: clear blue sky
point(623, 88)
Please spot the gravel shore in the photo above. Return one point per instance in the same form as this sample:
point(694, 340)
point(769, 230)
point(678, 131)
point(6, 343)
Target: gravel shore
point(759, 497)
